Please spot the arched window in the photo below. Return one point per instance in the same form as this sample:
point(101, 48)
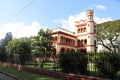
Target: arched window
point(81, 29)
point(62, 50)
point(94, 30)
point(81, 42)
point(84, 29)
point(78, 30)
point(95, 42)
point(78, 43)
point(85, 41)
point(55, 38)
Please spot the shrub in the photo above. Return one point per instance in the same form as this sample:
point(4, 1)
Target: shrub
point(82, 62)
point(108, 63)
point(73, 62)
point(3, 57)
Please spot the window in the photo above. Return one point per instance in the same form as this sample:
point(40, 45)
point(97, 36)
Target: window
point(95, 42)
point(94, 30)
point(55, 38)
point(81, 29)
point(78, 43)
point(78, 30)
point(81, 41)
point(85, 41)
point(84, 29)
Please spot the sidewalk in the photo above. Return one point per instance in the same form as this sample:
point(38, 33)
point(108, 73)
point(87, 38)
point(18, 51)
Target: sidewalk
point(4, 77)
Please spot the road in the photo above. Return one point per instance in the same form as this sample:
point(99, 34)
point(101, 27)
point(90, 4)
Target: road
point(5, 77)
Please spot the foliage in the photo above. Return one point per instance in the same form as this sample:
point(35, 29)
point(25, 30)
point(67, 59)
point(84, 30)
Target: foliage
point(19, 48)
point(3, 57)
point(73, 62)
point(41, 42)
point(108, 34)
point(92, 57)
point(3, 43)
point(42, 45)
point(108, 63)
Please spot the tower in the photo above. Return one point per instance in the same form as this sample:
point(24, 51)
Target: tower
point(91, 31)
point(86, 33)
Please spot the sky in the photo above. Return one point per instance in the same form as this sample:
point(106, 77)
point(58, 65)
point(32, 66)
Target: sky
point(24, 18)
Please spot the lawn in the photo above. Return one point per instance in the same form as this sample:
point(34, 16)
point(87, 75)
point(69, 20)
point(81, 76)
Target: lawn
point(24, 75)
point(47, 66)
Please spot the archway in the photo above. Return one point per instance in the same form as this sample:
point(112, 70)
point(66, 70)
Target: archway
point(62, 50)
point(85, 41)
point(78, 43)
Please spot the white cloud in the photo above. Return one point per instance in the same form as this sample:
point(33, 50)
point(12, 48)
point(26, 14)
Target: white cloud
point(19, 29)
point(101, 20)
point(69, 23)
point(101, 7)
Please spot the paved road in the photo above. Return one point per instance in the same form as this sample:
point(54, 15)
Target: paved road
point(4, 77)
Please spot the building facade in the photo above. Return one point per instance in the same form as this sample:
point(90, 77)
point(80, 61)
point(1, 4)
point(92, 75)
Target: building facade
point(84, 38)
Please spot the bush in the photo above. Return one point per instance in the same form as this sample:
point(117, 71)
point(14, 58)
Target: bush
point(108, 63)
point(73, 62)
point(3, 57)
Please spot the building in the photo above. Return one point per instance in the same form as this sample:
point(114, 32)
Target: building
point(84, 38)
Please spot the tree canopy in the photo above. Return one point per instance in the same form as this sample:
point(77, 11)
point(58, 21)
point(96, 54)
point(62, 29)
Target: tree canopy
point(109, 34)
point(4, 42)
point(42, 45)
point(19, 47)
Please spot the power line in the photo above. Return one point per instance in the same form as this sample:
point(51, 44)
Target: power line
point(20, 11)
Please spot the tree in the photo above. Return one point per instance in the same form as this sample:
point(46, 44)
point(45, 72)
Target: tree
point(108, 64)
point(20, 50)
point(42, 45)
point(108, 35)
point(3, 43)
point(8, 38)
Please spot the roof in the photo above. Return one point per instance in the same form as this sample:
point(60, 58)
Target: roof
point(62, 30)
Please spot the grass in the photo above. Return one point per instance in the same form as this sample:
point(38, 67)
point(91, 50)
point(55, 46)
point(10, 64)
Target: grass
point(24, 75)
point(47, 66)
point(93, 70)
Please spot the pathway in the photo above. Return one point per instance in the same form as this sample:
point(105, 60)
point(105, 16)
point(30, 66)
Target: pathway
point(5, 77)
